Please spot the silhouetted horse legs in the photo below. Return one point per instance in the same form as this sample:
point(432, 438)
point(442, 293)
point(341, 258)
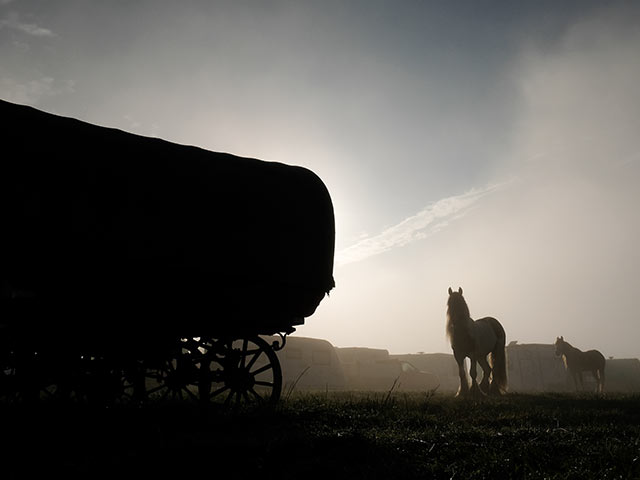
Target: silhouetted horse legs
point(473, 371)
point(577, 380)
point(486, 373)
point(464, 386)
point(599, 376)
point(475, 389)
point(484, 388)
point(595, 377)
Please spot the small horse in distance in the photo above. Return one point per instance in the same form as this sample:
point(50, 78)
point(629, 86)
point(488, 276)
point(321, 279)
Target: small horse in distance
point(577, 361)
point(476, 339)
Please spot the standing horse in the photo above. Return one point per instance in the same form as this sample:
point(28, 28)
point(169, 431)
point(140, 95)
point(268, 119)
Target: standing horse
point(476, 339)
point(577, 361)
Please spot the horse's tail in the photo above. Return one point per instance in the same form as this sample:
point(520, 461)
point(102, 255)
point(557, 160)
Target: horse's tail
point(499, 356)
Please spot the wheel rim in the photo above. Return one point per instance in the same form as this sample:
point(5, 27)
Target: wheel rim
point(242, 372)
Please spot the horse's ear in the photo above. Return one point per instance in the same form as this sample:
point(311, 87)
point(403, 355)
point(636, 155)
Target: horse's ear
point(460, 290)
point(561, 338)
point(450, 291)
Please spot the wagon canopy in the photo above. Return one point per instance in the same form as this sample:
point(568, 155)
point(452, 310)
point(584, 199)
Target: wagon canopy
point(102, 223)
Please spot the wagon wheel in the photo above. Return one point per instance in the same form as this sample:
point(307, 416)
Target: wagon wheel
point(102, 381)
point(175, 376)
point(28, 378)
point(31, 376)
point(241, 372)
point(74, 378)
point(25, 378)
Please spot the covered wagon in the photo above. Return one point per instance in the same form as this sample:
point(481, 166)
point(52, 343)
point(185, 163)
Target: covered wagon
point(156, 263)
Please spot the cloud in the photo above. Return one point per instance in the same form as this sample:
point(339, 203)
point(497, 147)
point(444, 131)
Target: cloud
point(13, 22)
point(429, 220)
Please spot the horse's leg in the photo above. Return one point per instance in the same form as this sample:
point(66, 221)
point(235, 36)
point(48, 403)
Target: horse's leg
point(574, 375)
point(464, 386)
point(579, 375)
point(473, 371)
point(599, 376)
point(597, 379)
point(486, 373)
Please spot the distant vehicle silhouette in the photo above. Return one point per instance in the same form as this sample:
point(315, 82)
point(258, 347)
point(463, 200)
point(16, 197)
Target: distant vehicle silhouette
point(374, 369)
point(442, 366)
point(310, 364)
point(577, 361)
point(133, 266)
point(476, 339)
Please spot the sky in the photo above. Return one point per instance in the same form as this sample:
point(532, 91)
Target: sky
point(486, 145)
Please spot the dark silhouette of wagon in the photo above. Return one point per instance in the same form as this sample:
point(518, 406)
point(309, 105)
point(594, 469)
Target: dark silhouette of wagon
point(136, 268)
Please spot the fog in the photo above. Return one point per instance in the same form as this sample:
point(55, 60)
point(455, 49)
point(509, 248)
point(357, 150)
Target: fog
point(554, 250)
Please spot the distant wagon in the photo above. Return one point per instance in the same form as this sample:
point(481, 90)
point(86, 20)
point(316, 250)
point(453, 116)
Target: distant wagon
point(134, 267)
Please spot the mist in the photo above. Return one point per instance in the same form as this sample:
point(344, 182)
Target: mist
point(554, 252)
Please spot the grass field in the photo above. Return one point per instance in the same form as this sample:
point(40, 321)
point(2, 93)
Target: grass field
point(332, 435)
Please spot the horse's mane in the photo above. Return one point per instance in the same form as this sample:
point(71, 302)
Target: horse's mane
point(457, 309)
point(568, 346)
point(566, 349)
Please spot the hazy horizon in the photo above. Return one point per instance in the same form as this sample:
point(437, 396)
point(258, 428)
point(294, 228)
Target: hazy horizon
point(491, 147)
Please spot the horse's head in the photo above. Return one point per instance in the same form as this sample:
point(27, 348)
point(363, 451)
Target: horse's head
point(560, 343)
point(456, 304)
point(455, 298)
point(457, 313)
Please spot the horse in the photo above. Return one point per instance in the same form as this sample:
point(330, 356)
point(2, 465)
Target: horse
point(577, 361)
point(476, 339)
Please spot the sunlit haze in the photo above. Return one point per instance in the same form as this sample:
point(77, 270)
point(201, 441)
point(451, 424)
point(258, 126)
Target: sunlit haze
point(492, 146)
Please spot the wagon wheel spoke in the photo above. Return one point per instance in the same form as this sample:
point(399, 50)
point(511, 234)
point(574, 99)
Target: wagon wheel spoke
point(227, 400)
point(265, 384)
point(219, 391)
point(254, 359)
point(262, 369)
point(257, 396)
point(155, 389)
point(190, 394)
point(247, 372)
point(176, 376)
point(243, 356)
point(165, 394)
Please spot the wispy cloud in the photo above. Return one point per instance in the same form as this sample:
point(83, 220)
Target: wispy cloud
point(13, 22)
point(429, 220)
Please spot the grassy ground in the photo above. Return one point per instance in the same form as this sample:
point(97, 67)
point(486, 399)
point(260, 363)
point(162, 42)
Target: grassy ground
point(346, 435)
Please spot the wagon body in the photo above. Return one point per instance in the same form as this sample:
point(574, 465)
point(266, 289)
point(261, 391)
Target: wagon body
point(110, 235)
